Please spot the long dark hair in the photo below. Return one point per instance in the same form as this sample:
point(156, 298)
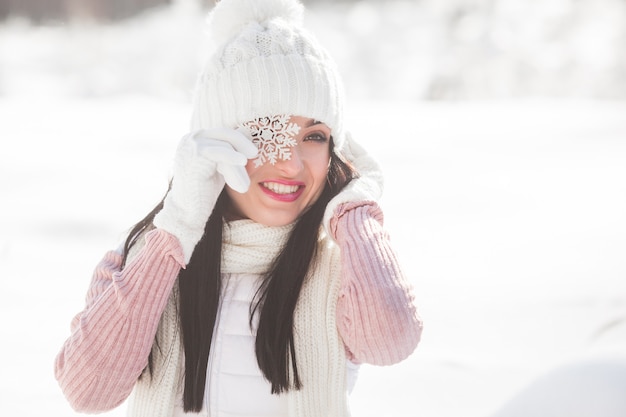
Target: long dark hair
point(200, 287)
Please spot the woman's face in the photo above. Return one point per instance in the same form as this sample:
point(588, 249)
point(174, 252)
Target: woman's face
point(281, 189)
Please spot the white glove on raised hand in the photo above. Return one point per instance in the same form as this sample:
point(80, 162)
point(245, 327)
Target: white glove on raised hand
point(204, 161)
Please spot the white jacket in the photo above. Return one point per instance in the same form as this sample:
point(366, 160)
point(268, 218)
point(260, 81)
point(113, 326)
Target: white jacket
point(232, 367)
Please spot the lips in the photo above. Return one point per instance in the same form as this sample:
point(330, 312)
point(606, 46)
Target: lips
point(285, 191)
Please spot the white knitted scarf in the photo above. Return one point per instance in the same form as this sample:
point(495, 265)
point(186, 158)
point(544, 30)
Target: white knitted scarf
point(250, 248)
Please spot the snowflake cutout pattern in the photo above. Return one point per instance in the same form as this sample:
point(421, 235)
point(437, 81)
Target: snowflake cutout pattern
point(274, 136)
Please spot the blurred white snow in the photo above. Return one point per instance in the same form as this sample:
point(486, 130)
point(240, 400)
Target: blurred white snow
point(398, 49)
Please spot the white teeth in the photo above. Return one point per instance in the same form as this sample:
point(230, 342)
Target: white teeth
point(280, 188)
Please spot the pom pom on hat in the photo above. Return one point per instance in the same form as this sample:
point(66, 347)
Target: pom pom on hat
point(229, 17)
point(265, 64)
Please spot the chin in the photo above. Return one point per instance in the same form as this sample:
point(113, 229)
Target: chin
point(274, 220)
point(268, 212)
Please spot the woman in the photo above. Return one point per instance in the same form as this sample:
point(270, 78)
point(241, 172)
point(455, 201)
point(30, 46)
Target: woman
point(264, 277)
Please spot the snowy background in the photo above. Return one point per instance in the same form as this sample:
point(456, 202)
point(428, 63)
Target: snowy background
point(501, 126)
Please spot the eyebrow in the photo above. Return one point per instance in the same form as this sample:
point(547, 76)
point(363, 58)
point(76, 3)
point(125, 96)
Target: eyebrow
point(313, 123)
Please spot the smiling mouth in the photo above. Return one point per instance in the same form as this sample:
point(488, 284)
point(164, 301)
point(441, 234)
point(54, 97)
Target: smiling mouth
point(281, 189)
point(282, 192)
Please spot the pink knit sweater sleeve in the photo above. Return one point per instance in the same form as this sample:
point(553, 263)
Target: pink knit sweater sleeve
point(376, 314)
point(111, 338)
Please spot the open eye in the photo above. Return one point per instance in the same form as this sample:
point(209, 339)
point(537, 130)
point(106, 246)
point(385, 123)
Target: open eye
point(316, 137)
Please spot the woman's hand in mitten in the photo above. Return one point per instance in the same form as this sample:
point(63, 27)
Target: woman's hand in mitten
point(366, 188)
point(204, 161)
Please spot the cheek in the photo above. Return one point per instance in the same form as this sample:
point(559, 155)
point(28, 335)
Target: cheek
point(319, 170)
point(322, 171)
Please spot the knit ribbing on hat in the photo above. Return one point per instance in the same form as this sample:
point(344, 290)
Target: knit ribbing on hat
point(268, 67)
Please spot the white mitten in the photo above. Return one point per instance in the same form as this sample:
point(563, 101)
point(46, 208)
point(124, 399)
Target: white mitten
point(204, 161)
point(367, 187)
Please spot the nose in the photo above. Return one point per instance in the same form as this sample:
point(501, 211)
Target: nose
point(292, 166)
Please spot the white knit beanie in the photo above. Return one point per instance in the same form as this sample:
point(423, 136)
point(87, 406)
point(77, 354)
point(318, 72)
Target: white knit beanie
point(265, 64)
